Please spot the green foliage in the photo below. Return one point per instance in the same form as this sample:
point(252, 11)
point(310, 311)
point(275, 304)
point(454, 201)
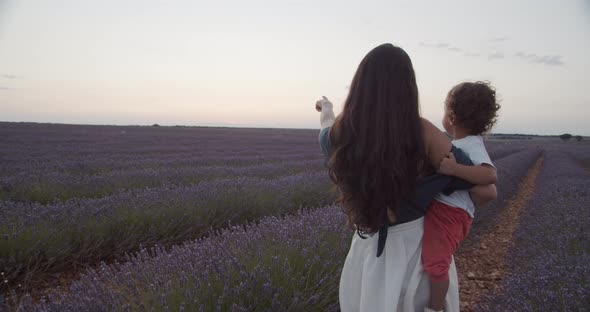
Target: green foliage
point(565, 136)
point(40, 250)
point(46, 190)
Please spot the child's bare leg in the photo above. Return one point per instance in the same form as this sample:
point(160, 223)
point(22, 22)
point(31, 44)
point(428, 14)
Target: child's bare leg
point(438, 292)
point(443, 230)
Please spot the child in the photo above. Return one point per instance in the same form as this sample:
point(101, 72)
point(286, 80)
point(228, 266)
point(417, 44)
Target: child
point(470, 111)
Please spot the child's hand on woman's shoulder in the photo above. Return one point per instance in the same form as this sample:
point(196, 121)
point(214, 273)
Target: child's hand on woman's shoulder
point(448, 165)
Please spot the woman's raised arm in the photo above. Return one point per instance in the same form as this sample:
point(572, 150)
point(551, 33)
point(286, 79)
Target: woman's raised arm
point(325, 107)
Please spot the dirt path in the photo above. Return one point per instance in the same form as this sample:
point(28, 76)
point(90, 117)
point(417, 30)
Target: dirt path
point(482, 266)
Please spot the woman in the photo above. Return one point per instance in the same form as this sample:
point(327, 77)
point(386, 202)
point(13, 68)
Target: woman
point(382, 157)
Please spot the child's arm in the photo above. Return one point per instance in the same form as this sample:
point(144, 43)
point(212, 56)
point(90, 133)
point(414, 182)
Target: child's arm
point(480, 175)
point(482, 194)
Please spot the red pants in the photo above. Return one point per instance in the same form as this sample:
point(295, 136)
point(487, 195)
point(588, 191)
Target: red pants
point(444, 228)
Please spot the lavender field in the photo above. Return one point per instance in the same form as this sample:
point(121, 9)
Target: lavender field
point(222, 219)
point(550, 270)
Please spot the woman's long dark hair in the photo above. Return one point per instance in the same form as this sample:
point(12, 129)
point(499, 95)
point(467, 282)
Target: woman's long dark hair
point(377, 143)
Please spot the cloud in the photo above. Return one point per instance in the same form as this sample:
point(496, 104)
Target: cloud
point(6, 76)
point(367, 21)
point(525, 55)
point(440, 45)
point(496, 56)
point(551, 60)
point(450, 48)
point(498, 39)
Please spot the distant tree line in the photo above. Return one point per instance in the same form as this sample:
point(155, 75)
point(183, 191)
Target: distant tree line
point(567, 136)
point(517, 136)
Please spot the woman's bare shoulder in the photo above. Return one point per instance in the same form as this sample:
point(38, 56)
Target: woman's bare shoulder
point(429, 130)
point(436, 142)
point(427, 125)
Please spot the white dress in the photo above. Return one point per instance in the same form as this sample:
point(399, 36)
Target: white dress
point(395, 281)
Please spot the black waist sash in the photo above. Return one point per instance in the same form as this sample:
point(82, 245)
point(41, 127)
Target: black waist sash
point(426, 189)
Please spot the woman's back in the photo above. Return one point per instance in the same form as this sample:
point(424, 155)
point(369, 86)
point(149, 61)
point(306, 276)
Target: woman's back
point(377, 140)
point(379, 148)
point(384, 272)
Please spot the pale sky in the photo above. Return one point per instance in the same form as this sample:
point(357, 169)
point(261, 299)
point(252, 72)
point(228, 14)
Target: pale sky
point(264, 63)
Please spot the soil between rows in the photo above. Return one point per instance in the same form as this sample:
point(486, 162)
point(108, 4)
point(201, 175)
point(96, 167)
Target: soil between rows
point(482, 267)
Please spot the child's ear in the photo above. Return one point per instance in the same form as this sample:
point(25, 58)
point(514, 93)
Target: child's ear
point(451, 118)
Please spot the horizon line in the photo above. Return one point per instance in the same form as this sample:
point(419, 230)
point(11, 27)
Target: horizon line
point(242, 127)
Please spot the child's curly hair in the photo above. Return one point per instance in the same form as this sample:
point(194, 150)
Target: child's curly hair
point(473, 106)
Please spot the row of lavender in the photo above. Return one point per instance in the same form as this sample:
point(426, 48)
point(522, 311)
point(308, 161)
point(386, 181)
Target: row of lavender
point(89, 149)
point(97, 149)
point(44, 239)
point(46, 185)
point(291, 264)
point(53, 163)
point(548, 267)
point(83, 164)
point(54, 186)
point(49, 163)
point(509, 172)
